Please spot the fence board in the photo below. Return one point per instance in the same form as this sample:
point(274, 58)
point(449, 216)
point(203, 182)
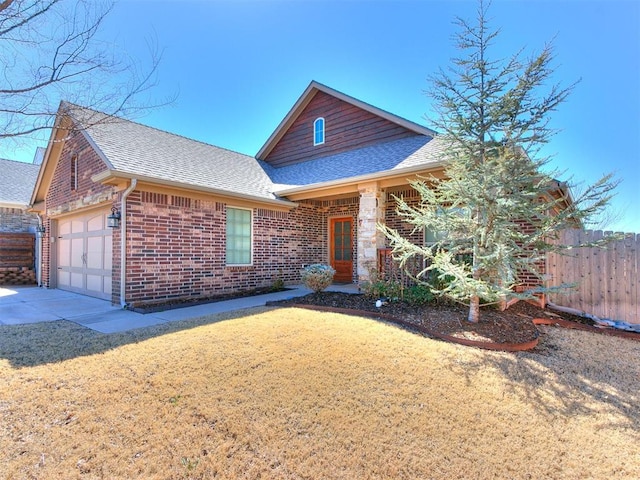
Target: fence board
point(608, 280)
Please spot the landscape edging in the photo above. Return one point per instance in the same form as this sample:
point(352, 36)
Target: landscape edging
point(502, 347)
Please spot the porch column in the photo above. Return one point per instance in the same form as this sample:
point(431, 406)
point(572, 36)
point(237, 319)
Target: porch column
point(369, 238)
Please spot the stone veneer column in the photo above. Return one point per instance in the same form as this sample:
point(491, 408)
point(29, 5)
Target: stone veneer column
point(369, 237)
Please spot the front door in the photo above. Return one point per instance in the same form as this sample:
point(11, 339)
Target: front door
point(341, 250)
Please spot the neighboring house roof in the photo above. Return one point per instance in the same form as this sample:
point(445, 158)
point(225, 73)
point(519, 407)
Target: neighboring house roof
point(308, 95)
point(406, 153)
point(16, 182)
point(138, 150)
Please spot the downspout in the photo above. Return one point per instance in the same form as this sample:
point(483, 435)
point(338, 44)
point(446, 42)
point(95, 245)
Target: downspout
point(123, 240)
point(39, 235)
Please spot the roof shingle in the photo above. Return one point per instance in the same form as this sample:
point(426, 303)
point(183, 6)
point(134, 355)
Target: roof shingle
point(17, 180)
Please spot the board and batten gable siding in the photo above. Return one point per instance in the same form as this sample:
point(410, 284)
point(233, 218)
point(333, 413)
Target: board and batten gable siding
point(346, 127)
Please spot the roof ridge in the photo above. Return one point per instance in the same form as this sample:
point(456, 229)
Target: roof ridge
point(374, 107)
point(160, 130)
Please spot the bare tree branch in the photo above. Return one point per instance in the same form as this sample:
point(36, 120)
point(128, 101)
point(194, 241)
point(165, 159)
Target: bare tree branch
point(51, 53)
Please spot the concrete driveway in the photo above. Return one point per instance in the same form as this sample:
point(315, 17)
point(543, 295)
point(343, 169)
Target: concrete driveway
point(19, 305)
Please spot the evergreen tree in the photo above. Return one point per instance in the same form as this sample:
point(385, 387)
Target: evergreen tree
point(495, 215)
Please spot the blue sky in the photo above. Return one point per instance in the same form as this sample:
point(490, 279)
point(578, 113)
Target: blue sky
point(238, 66)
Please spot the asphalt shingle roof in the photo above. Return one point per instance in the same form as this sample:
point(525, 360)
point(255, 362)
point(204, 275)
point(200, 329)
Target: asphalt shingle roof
point(17, 180)
point(140, 150)
point(137, 149)
point(395, 155)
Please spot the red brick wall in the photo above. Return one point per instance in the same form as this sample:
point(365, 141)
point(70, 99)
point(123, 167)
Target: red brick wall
point(346, 127)
point(176, 248)
point(61, 198)
point(412, 198)
point(60, 194)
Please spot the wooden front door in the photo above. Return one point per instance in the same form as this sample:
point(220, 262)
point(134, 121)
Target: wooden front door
point(341, 248)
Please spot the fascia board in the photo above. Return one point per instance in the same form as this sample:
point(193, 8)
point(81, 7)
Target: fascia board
point(107, 175)
point(360, 179)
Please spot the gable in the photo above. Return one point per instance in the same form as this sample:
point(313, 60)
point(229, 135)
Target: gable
point(70, 166)
point(347, 127)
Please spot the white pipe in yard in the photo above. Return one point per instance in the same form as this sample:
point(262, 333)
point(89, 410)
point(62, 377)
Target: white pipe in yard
point(123, 241)
point(602, 322)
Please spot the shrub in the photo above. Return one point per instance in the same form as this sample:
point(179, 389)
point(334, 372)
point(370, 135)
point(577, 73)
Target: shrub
point(378, 288)
point(418, 295)
point(317, 277)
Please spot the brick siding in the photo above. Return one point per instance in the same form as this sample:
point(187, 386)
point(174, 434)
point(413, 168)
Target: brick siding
point(17, 220)
point(61, 197)
point(412, 198)
point(176, 248)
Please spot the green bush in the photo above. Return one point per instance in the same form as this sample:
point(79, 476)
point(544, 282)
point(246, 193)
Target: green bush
point(388, 289)
point(317, 277)
point(418, 295)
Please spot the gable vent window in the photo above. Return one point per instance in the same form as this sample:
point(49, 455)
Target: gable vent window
point(74, 172)
point(318, 131)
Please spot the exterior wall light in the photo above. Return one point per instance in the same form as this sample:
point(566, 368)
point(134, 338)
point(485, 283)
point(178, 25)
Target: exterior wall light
point(113, 220)
point(41, 229)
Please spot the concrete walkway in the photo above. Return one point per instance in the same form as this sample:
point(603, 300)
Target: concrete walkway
point(20, 305)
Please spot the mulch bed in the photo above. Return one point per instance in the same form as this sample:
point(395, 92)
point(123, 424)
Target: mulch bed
point(513, 329)
point(162, 305)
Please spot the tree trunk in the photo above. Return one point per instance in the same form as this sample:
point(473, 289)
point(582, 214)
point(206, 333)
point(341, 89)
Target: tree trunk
point(474, 309)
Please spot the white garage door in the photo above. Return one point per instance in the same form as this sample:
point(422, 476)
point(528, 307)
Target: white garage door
point(85, 254)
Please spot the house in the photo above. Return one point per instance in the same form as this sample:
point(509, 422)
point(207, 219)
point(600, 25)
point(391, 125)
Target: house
point(18, 226)
point(16, 185)
point(199, 220)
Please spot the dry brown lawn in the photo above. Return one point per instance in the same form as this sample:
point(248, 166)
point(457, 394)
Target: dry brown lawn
point(293, 394)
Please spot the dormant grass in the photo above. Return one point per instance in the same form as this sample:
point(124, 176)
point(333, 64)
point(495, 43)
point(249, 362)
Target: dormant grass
point(296, 394)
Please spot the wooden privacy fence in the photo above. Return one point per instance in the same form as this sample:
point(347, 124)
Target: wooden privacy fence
point(608, 278)
point(17, 259)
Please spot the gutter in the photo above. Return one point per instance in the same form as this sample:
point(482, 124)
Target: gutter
point(123, 240)
point(107, 175)
point(361, 178)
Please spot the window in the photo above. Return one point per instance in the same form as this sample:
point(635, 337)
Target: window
point(318, 131)
point(238, 249)
point(74, 172)
point(432, 236)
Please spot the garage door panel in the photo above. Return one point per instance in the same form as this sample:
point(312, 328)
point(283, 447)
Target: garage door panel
point(64, 279)
point(64, 227)
point(94, 283)
point(77, 226)
point(64, 252)
point(95, 252)
point(77, 280)
point(77, 252)
point(106, 286)
point(95, 223)
point(84, 255)
point(108, 253)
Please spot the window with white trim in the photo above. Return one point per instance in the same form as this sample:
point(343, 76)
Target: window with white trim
point(238, 248)
point(318, 131)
